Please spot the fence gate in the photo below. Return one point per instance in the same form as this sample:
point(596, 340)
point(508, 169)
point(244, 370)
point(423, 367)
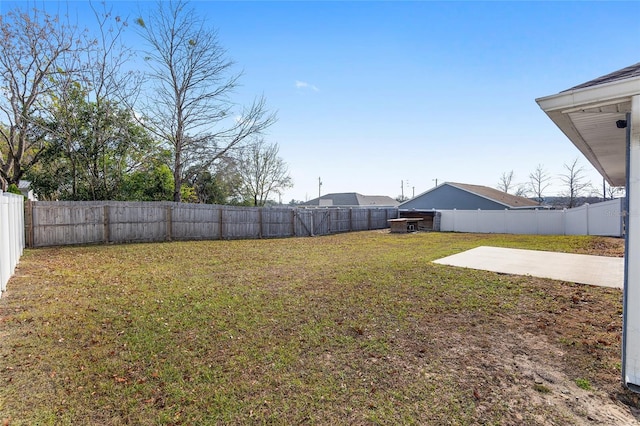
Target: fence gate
point(321, 222)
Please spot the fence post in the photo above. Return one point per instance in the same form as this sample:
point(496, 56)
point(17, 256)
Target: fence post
point(14, 230)
point(329, 220)
point(586, 211)
point(369, 219)
point(350, 219)
point(28, 218)
point(506, 221)
point(169, 220)
point(106, 224)
point(293, 222)
point(260, 222)
point(5, 258)
point(454, 220)
point(20, 229)
point(221, 214)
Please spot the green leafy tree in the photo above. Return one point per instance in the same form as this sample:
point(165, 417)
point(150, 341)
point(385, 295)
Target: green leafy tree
point(92, 149)
point(217, 184)
point(13, 189)
point(210, 188)
point(153, 183)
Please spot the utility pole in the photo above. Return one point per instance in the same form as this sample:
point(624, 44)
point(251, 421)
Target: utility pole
point(319, 187)
point(435, 180)
point(402, 189)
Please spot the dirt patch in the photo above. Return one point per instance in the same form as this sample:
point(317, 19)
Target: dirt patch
point(529, 379)
point(613, 247)
point(519, 376)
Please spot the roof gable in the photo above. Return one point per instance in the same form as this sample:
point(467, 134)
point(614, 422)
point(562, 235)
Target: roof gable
point(494, 196)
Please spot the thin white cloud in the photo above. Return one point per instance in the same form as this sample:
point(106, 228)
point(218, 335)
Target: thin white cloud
point(305, 85)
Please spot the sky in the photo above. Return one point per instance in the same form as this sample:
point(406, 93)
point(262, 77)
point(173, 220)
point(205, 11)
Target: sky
point(390, 97)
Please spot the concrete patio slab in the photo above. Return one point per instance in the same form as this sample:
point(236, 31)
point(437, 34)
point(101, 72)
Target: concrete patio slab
point(578, 268)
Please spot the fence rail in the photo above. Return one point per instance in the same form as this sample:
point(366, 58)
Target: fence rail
point(605, 219)
point(52, 223)
point(11, 235)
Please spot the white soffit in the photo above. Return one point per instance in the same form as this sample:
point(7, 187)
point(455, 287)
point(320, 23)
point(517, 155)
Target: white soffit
point(588, 116)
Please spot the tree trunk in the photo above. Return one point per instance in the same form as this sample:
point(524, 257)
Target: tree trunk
point(177, 178)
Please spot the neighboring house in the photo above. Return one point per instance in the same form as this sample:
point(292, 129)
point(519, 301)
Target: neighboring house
point(25, 189)
point(462, 196)
point(352, 199)
point(560, 202)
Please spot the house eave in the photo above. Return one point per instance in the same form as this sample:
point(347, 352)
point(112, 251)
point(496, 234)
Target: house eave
point(588, 116)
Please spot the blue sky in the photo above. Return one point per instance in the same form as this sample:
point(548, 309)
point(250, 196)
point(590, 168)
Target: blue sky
point(369, 94)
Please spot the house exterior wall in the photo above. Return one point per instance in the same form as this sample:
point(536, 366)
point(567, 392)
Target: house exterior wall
point(448, 197)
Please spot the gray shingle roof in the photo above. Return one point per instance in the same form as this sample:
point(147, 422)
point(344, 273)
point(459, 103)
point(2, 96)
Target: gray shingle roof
point(495, 195)
point(631, 71)
point(353, 199)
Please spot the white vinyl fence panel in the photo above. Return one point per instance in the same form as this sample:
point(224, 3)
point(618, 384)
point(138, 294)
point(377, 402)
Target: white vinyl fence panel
point(604, 219)
point(11, 235)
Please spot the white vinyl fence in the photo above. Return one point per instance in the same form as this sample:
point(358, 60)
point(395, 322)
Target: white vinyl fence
point(605, 219)
point(11, 235)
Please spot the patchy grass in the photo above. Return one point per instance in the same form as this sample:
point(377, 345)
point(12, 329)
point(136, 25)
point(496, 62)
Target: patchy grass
point(583, 384)
point(347, 329)
point(541, 388)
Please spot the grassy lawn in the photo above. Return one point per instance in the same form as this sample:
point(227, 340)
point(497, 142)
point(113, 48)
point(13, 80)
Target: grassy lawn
point(353, 328)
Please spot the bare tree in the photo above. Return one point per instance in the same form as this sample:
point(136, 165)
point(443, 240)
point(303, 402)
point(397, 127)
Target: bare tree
point(521, 190)
point(611, 192)
point(574, 180)
point(262, 172)
point(32, 47)
point(539, 181)
point(506, 181)
point(187, 103)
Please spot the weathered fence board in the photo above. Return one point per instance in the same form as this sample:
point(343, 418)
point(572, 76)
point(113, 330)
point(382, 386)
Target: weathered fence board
point(69, 222)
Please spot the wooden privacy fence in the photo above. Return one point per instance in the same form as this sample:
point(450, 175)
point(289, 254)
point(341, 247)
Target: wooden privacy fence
point(52, 223)
point(11, 235)
point(606, 219)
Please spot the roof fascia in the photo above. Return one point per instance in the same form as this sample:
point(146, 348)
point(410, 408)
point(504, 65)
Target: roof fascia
point(613, 92)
